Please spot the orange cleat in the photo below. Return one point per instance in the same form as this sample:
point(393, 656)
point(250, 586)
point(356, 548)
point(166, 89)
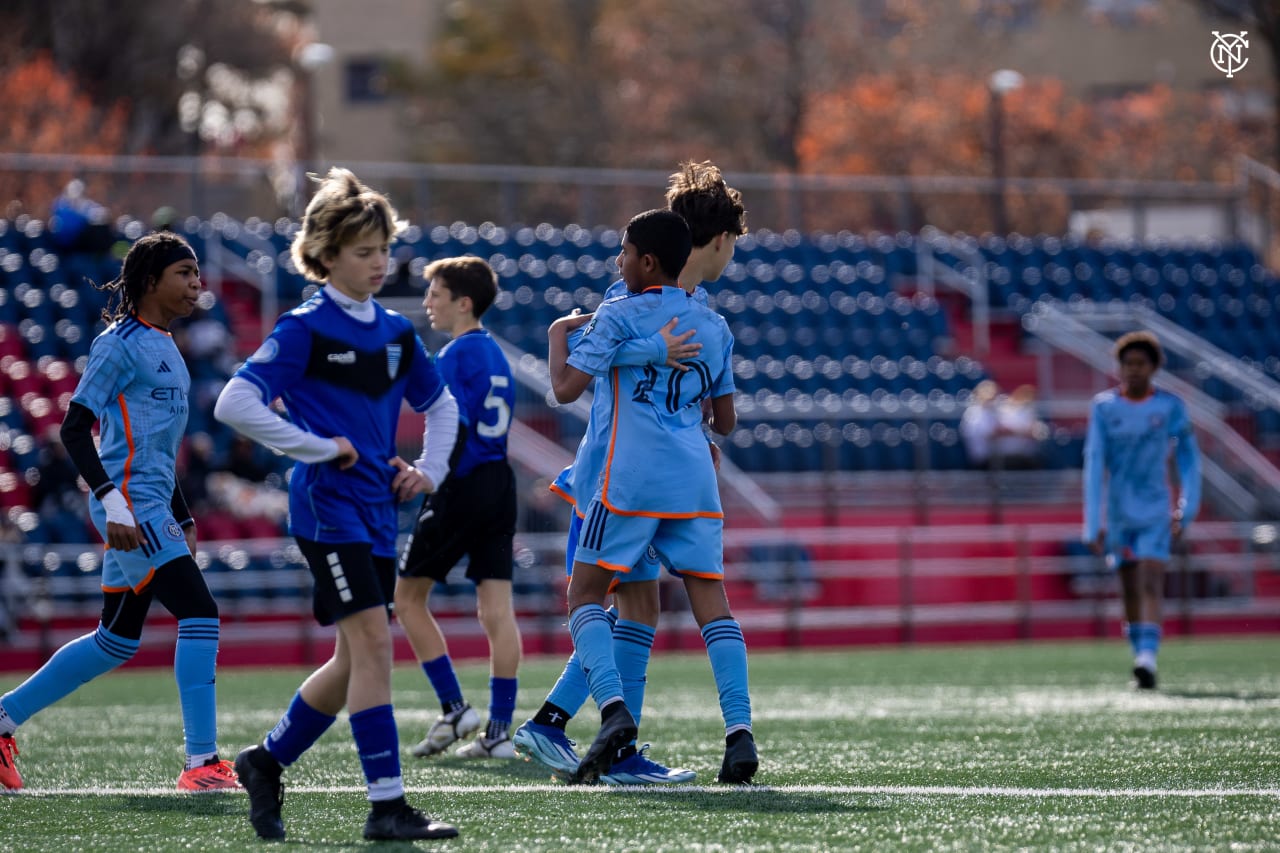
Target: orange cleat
point(213, 775)
point(9, 776)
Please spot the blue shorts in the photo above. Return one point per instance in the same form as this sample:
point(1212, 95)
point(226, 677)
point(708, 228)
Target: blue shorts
point(162, 542)
point(1138, 543)
point(647, 568)
point(687, 546)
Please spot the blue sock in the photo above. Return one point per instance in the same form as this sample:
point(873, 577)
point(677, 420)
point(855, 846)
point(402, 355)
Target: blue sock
point(502, 703)
point(445, 682)
point(1132, 631)
point(728, 652)
point(593, 644)
point(1148, 638)
point(78, 662)
point(378, 744)
point(632, 643)
point(298, 729)
point(570, 691)
point(194, 663)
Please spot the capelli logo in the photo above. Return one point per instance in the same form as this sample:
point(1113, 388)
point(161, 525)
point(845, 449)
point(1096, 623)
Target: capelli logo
point(348, 357)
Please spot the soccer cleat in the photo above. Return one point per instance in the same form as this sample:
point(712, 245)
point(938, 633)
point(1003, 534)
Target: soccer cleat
point(615, 732)
point(10, 778)
point(639, 769)
point(548, 746)
point(740, 761)
point(266, 796)
point(446, 730)
point(214, 775)
point(1144, 678)
point(406, 824)
point(482, 747)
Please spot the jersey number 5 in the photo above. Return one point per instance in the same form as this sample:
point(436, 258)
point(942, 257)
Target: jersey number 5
point(493, 401)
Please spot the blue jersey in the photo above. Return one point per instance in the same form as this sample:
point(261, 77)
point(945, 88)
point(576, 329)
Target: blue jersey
point(656, 458)
point(479, 378)
point(339, 376)
point(137, 384)
point(1131, 440)
point(578, 482)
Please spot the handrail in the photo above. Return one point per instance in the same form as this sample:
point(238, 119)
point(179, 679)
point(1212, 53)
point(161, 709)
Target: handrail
point(976, 287)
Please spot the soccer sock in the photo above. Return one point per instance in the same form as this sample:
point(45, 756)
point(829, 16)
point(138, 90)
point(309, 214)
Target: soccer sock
point(445, 682)
point(570, 691)
point(298, 729)
point(632, 643)
point(502, 705)
point(553, 715)
point(728, 653)
point(592, 634)
point(78, 662)
point(1147, 645)
point(1131, 631)
point(378, 744)
point(7, 725)
point(194, 663)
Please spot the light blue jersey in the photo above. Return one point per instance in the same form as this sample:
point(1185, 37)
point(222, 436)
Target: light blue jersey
point(656, 461)
point(1130, 441)
point(137, 384)
point(578, 482)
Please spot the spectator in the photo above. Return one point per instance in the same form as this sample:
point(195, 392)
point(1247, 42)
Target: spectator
point(1020, 434)
point(979, 423)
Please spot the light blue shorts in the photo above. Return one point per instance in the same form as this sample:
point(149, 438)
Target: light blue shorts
point(162, 542)
point(647, 568)
point(1138, 543)
point(692, 546)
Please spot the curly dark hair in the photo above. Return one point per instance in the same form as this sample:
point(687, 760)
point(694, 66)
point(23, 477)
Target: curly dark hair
point(143, 265)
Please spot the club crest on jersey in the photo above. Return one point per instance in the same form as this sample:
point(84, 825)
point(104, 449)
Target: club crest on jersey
point(267, 352)
point(393, 360)
point(1156, 421)
point(173, 531)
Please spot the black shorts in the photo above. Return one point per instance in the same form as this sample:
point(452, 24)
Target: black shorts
point(348, 578)
point(472, 516)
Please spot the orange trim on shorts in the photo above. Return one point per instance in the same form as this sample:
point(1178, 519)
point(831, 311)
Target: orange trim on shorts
point(561, 493)
point(708, 575)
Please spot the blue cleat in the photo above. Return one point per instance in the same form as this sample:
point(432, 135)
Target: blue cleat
point(617, 729)
point(548, 746)
point(639, 769)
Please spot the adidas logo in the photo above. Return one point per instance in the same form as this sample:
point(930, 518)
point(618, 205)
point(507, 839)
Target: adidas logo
point(164, 368)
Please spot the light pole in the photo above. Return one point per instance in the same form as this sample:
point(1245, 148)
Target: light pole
point(311, 58)
point(1000, 83)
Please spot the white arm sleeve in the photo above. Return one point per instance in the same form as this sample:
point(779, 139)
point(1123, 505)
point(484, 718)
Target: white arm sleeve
point(438, 438)
point(241, 407)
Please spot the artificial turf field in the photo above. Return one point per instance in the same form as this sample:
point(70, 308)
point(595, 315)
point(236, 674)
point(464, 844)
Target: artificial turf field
point(1040, 746)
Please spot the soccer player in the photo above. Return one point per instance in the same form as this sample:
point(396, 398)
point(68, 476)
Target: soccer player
point(658, 486)
point(1133, 430)
point(716, 218)
point(472, 514)
point(136, 386)
point(342, 364)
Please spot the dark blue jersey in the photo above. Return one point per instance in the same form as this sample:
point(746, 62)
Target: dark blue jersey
point(338, 376)
point(480, 379)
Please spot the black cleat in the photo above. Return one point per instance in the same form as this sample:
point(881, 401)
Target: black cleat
point(740, 761)
point(616, 732)
point(406, 824)
point(1144, 678)
point(266, 795)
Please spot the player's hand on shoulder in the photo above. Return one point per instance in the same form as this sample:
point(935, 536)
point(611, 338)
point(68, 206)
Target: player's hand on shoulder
point(409, 482)
point(347, 453)
point(572, 320)
point(679, 348)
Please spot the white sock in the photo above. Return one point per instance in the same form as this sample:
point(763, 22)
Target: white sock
point(199, 760)
point(7, 725)
point(1146, 660)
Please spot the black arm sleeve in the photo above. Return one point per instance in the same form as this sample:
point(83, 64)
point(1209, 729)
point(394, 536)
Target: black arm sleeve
point(77, 438)
point(178, 506)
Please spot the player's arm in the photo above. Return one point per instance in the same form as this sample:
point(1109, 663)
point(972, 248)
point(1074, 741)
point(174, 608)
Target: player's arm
point(724, 417)
point(1187, 457)
point(662, 347)
point(77, 438)
point(441, 436)
point(1094, 457)
point(567, 383)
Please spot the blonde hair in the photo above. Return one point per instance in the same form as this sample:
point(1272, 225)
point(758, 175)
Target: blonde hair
point(342, 211)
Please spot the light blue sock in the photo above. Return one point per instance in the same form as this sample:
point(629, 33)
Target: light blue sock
point(194, 664)
point(570, 691)
point(445, 682)
point(593, 644)
point(1148, 639)
point(378, 744)
point(1132, 631)
point(298, 729)
point(728, 653)
point(78, 662)
point(632, 644)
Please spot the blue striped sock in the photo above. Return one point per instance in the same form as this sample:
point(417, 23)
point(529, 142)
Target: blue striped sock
point(194, 664)
point(728, 653)
point(1148, 640)
point(78, 662)
point(632, 644)
point(592, 634)
point(298, 729)
point(444, 681)
point(570, 691)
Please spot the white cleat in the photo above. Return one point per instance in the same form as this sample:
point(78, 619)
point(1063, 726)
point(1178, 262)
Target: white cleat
point(482, 747)
point(447, 730)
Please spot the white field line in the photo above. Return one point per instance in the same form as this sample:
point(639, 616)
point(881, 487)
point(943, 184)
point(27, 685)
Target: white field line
point(754, 790)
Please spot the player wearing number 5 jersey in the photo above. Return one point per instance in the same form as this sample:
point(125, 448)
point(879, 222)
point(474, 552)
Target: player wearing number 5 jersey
point(473, 514)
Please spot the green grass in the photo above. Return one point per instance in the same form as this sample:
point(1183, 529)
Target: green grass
point(957, 748)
